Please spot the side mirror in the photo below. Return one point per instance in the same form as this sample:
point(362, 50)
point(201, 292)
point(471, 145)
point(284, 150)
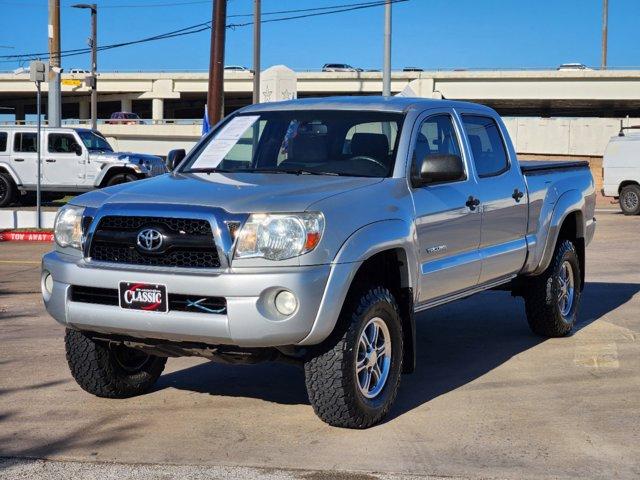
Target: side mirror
point(174, 157)
point(78, 149)
point(439, 168)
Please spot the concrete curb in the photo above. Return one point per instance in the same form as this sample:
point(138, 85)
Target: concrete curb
point(10, 219)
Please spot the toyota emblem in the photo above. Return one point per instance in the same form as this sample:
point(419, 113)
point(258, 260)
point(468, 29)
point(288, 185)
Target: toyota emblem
point(149, 239)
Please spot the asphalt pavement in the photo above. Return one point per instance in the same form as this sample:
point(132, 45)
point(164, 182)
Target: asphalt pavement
point(488, 399)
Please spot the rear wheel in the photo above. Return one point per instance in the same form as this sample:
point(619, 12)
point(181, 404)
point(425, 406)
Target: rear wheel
point(110, 370)
point(630, 200)
point(552, 299)
point(8, 190)
point(119, 178)
point(353, 377)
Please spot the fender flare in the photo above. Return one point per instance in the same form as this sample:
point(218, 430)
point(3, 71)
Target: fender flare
point(568, 203)
point(360, 246)
point(106, 171)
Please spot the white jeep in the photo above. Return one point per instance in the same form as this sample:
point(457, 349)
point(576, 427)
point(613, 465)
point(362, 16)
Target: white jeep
point(72, 160)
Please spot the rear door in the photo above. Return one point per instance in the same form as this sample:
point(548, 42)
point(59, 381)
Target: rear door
point(24, 156)
point(502, 196)
point(448, 229)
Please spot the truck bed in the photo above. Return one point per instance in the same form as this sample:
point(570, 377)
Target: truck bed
point(533, 166)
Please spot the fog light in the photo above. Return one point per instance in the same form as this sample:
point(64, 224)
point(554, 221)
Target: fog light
point(48, 283)
point(286, 302)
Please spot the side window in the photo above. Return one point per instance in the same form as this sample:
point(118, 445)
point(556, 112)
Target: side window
point(487, 146)
point(437, 136)
point(25, 142)
point(3, 141)
point(62, 143)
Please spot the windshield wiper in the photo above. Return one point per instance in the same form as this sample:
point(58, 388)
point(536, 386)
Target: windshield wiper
point(293, 171)
point(211, 170)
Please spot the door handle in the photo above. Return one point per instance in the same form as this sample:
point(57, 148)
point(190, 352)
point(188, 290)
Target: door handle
point(18, 159)
point(517, 195)
point(472, 203)
point(51, 160)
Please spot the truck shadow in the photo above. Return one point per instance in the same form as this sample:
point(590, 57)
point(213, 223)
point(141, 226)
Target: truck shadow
point(457, 343)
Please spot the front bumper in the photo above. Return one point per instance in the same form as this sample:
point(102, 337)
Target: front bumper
point(249, 320)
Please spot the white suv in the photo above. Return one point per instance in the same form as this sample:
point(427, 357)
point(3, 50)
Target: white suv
point(72, 160)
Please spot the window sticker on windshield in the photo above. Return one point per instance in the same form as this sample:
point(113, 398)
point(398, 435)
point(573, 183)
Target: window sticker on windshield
point(224, 141)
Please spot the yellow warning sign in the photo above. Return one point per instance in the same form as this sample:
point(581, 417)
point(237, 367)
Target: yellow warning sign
point(71, 82)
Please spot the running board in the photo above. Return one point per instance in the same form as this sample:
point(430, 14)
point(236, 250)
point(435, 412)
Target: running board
point(464, 293)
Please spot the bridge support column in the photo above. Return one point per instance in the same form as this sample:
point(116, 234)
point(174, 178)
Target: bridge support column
point(126, 105)
point(157, 108)
point(19, 111)
point(84, 109)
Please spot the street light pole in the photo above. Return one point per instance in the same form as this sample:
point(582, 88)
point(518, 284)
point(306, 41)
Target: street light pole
point(386, 70)
point(93, 43)
point(605, 26)
point(256, 51)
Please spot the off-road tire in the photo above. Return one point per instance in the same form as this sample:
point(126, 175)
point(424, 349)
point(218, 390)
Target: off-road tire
point(119, 178)
point(630, 200)
point(541, 295)
point(330, 374)
point(8, 190)
point(94, 366)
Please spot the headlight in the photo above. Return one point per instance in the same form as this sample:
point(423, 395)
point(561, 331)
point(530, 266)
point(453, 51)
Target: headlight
point(279, 236)
point(68, 226)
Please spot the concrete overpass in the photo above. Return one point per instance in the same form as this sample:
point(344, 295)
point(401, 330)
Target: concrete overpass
point(181, 95)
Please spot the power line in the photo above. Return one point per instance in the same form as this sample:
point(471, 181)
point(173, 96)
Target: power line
point(317, 11)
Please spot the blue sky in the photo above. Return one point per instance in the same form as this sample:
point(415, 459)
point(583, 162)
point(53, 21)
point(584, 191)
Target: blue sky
point(432, 34)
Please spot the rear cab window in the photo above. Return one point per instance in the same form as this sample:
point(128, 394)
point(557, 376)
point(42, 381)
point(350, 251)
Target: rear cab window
point(25, 142)
point(487, 145)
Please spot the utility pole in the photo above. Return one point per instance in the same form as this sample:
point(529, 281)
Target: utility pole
point(605, 26)
point(215, 93)
point(256, 50)
point(54, 99)
point(386, 70)
point(92, 80)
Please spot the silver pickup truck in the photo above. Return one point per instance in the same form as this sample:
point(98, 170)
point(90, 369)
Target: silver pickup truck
point(313, 231)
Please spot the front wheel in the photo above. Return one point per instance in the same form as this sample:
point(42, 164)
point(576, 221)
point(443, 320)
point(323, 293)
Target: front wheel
point(630, 200)
point(552, 299)
point(352, 378)
point(110, 370)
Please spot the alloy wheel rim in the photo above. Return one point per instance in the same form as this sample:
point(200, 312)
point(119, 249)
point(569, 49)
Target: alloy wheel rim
point(631, 200)
point(566, 288)
point(373, 361)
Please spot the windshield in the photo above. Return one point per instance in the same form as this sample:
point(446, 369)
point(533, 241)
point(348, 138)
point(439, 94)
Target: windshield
point(94, 142)
point(322, 142)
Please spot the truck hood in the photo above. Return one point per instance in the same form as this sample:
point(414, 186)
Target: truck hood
point(234, 192)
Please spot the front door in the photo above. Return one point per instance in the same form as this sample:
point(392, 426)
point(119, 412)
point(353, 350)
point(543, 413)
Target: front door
point(447, 224)
point(502, 195)
point(64, 160)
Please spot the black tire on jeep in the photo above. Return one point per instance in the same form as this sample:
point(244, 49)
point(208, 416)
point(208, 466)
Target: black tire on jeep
point(8, 190)
point(630, 200)
point(352, 378)
point(552, 299)
point(119, 178)
point(111, 371)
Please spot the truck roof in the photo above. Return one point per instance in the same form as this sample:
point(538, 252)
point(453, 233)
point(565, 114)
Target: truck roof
point(43, 127)
point(376, 103)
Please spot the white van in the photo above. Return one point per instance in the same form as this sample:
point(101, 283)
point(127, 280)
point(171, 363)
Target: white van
point(621, 170)
point(73, 160)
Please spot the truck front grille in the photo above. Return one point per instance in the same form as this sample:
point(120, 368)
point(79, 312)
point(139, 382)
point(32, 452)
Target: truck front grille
point(187, 243)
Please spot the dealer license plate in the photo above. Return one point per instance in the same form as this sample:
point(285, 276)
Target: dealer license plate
point(148, 297)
